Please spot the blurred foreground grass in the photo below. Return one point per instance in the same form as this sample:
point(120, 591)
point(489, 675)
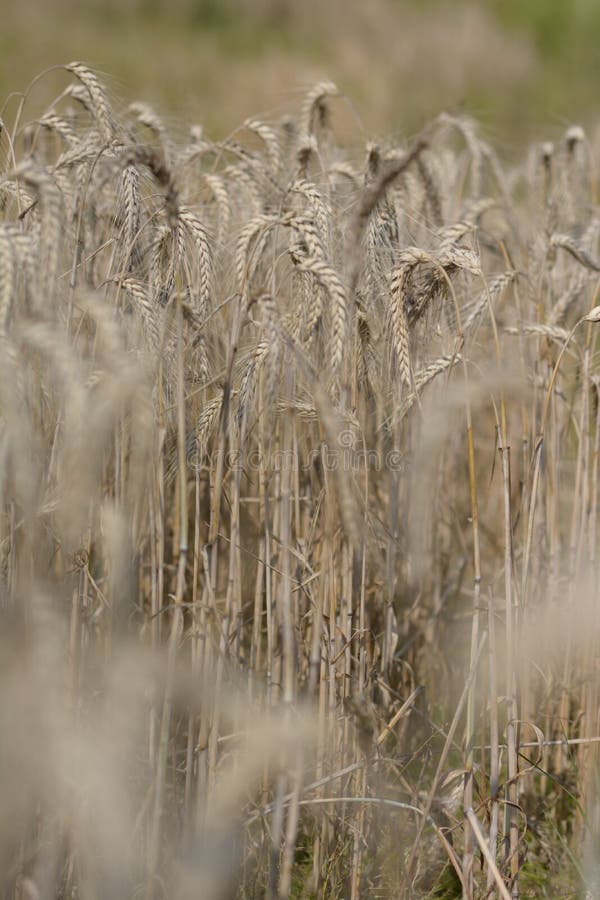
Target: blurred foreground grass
point(516, 67)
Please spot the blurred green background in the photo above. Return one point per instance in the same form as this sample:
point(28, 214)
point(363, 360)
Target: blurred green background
point(524, 68)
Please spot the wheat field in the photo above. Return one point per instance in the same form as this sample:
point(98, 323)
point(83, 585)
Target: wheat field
point(299, 445)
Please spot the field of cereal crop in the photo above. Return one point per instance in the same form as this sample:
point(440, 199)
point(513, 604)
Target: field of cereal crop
point(299, 449)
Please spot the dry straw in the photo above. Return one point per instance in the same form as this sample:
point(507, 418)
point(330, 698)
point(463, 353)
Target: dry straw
point(262, 582)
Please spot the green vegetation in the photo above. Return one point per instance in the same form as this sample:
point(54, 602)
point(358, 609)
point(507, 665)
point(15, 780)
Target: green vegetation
point(516, 66)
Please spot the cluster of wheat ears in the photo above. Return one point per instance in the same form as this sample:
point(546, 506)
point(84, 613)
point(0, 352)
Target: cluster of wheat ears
point(298, 508)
